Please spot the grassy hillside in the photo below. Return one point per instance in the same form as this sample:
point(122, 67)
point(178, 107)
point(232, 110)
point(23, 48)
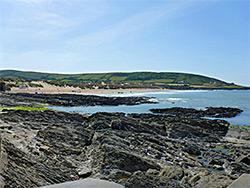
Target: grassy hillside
point(162, 79)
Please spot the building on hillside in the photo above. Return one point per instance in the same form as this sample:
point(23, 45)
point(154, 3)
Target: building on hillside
point(214, 83)
point(22, 86)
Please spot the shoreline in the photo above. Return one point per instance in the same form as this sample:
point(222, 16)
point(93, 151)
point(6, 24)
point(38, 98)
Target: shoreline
point(78, 91)
point(53, 89)
point(47, 88)
point(68, 90)
point(153, 152)
point(130, 150)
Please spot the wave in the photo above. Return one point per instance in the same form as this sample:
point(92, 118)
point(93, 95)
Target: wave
point(192, 91)
point(153, 100)
point(177, 99)
point(125, 95)
point(139, 93)
point(148, 93)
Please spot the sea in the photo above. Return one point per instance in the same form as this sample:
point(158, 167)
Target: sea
point(198, 99)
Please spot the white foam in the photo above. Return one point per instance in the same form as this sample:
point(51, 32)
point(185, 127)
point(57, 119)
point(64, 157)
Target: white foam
point(175, 99)
point(128, 94)
point(191, 91)
point(153, 100)
point(125, 95)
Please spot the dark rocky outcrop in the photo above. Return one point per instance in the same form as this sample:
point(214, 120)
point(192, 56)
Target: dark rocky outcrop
point(215, 112)
point(135, 150)
point(26, 99)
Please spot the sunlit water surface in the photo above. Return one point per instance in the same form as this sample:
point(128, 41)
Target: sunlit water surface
point(198, 99)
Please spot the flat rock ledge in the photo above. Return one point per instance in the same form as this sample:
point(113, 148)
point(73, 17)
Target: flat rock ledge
point(242, 182)
point(86, 183)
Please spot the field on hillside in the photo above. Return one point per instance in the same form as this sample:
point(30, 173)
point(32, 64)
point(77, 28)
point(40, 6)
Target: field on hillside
point(152, 80)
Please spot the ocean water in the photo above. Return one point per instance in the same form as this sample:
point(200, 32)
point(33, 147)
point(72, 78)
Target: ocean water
point(198, 99)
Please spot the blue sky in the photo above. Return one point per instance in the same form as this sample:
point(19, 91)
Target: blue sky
point(80, 36)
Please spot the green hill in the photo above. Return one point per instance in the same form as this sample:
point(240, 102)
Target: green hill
point(161, 79)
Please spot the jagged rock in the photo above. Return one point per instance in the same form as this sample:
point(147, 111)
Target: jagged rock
point(218, 167)
point(216, 112)
point(172, 172)
point(236, 168)
point(209, 179)
point(117, 124)
point(192, 149)
point(109, 155)
point(118, 121)
point(1, 181)
point(116, 174)
point(26, 99)
point(24, 170)
point(244, 159)
point(136, 150)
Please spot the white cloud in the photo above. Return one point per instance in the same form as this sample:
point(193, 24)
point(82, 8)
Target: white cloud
point(51, 19)
point(32, 1)
point(47, 18)
point(130, 25)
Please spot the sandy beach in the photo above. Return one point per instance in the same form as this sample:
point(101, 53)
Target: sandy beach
point(52, 89)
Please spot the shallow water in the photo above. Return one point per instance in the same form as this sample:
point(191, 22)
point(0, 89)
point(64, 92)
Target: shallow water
point(198, 99)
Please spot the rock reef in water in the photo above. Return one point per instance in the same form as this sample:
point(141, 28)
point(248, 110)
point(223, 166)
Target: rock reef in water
point(26, 99)
point(135, 150)
point(215, 112)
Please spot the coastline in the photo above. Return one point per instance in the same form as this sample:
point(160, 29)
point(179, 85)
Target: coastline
point(132, 150)
point(50, 89)
point(79, 91)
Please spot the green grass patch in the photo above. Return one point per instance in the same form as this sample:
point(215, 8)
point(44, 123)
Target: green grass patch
point(219, 147)
point(96, 77)
point(209, 85)
point(246, 127)
point(140, 77)
point(160, 84)
point(134, 82)
point(117, 78)
point(242, 127)
point(41, 109)
point(233, 87)
point(176, 84)
point(84, 77)
point(159, 81)
point(66, 80)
